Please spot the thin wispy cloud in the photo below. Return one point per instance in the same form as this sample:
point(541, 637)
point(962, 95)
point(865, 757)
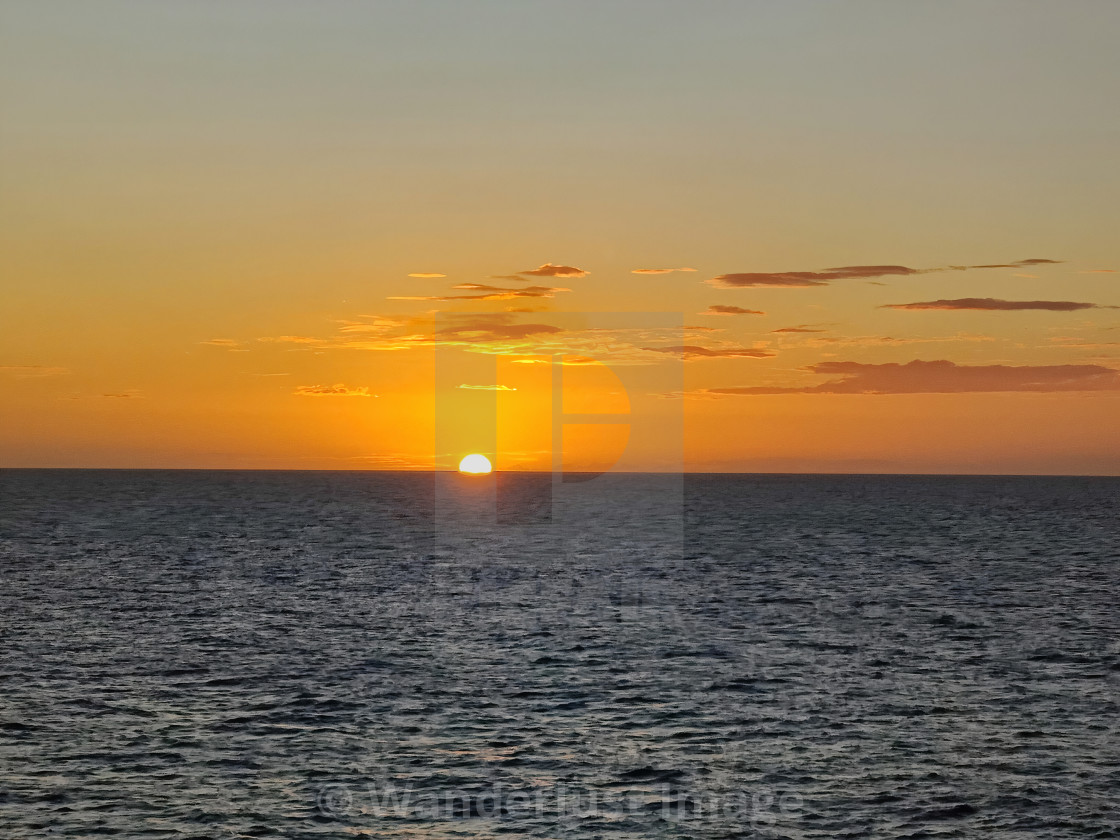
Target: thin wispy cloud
point(486, 387)
point(832, 341)
point(490, 327)
point(33, 371)
point(226, 344)
point(802, 328)
point(338, 390)
point(690, 352)
point(939, 377)
point(292, 339)
point(658, 270)
point(998, 305)
point(500, 330)
point(723, 309)
point(1019, 264)
point(485, 292)
point(432, 274)
point(825, 277)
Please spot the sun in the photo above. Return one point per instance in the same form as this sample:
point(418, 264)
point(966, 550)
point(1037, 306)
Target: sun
point(475, 465)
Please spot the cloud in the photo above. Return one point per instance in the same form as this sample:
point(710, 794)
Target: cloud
point(487, 387)
point(550, 270)
point(489, 293)
point(802, 279)
point(802, 328)
point(878, 340)
point(496, 332)
point(805, 279)
point(371, 324)
point(427, 274)
point(997, 305)
point(692, 351)
point(131, 394)
point(490, 327)
point(658, 270)
point(941, 377)
point(1078, 343)
point(525, 291)
point(226, 343)
point(292, 339)
point(722, 309)
point(29, 371)
point(338, 390)
point(1098, 271)
point(504, 333)
point(1016, 264)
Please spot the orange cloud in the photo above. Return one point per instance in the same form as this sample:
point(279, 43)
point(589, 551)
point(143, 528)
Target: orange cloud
point(804, 279)
point(490, 327)
point(338, 390)
point(292, 339)
point(997, 305)
point(722, 309)
point(426, 274)
point(803, 328)
point(692, 351)
point(942, 377)
point(550, 270)
point(488, 293)
point(658, 270)
point(487, 387)
point(1017, 264)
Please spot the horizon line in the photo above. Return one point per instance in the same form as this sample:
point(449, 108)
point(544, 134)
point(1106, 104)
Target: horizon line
point(569, 472)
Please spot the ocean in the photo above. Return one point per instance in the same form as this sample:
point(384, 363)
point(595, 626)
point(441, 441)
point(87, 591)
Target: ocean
point(197, 654)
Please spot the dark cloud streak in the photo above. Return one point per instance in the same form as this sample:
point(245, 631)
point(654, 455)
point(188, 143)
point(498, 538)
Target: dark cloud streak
point(806, 279)
point(996, 305)
point(692, 351)
point(722, 309)
point(942, 377)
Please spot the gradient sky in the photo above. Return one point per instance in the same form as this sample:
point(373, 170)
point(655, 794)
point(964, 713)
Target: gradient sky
point(210, 212)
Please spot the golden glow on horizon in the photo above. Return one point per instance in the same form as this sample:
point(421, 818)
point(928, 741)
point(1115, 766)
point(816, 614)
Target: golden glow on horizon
point(475, 465)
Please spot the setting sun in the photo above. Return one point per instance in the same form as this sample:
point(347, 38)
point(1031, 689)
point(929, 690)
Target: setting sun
point(475, 464)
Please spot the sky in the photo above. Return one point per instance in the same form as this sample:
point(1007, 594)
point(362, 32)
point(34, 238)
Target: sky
point(808, 236)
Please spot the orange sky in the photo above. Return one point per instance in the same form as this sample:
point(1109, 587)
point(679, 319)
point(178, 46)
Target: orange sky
point(821, 237)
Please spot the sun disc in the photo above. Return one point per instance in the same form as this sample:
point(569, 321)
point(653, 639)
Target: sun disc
point(475, 465)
